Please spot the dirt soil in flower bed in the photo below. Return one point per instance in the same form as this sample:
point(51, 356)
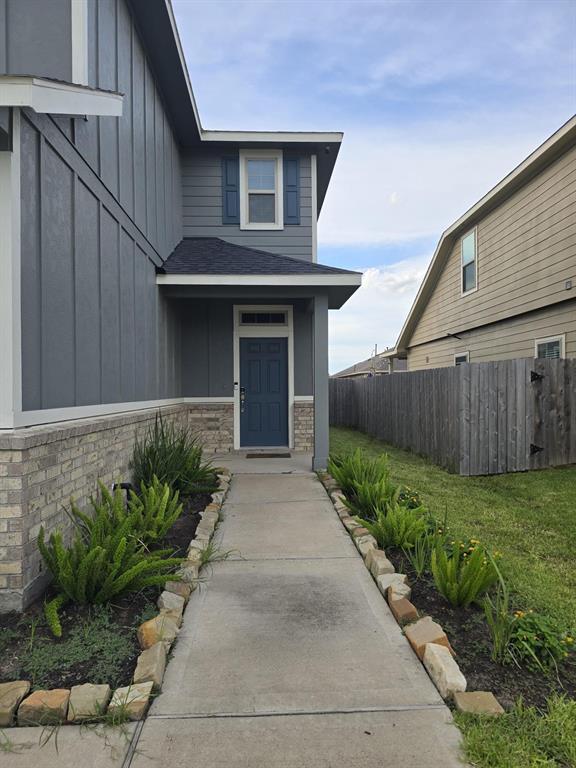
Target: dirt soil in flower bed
point(98, 643)
point(470, 638)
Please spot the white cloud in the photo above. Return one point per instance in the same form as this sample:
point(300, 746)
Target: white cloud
point(387, 188)
point(375, 313)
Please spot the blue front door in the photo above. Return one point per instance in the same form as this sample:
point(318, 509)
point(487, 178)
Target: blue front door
point(263, 392)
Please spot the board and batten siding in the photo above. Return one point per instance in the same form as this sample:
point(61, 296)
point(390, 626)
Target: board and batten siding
point(208, 336)
point(504, 340)
point(526, 250)
point(101, 207)
point(202, 208)
point(95, 328)
point(36, 38)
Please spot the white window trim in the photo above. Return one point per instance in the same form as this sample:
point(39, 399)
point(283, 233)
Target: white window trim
point(261, 154)
point(272, 331)
point(462, 354)
point(464, 236)
point(561, 337)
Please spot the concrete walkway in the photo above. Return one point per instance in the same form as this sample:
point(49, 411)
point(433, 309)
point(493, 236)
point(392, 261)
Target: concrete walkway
point(288, 656)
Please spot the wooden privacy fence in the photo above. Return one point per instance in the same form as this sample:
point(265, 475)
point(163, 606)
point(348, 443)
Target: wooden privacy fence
point(472, 419)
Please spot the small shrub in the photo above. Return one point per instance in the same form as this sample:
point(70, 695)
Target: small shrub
point(357, 468)
point(396, 525)
point(420, 553)
point(538, 642)
point(174, 456)
point(106, 557)
point(367, 497)
point(409, 498)
point(462, 573)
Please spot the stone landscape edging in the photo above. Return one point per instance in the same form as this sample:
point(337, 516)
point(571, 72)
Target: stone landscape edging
point(427, 638)
point(86, 701)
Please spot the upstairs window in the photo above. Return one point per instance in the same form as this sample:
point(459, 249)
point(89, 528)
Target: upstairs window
point(261, 199)
point(550, 348)
point(469, 263)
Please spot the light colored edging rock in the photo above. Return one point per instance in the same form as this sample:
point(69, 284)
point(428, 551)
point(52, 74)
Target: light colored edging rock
point(156, 636)
point(427, 638)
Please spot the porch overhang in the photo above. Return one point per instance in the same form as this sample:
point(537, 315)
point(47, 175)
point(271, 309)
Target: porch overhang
point(217, 267)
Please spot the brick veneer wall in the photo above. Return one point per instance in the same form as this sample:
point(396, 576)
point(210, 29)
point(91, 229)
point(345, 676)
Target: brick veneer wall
point(304, 426)
point(42, 467)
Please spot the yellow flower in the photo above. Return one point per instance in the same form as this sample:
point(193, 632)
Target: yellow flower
point(569, 640)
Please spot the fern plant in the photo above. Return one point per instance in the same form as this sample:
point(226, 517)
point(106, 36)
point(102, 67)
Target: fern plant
point(154, 511)
point(367, 497)
point(462, 574)
point(174, 455)
point(107, 555)
point(357, 468)
point(396, 525)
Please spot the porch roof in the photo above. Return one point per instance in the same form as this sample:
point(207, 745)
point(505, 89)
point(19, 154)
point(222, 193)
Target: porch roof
point(211, 261)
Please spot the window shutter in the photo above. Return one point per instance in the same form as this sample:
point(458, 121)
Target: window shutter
point(230, 190)
point(291, 190)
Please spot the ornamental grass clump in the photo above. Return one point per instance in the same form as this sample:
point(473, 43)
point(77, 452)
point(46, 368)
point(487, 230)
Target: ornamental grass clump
point(462, 571)
point(174, 455)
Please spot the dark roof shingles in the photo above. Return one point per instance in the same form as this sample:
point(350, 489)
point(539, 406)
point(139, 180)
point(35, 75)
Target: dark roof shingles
point(214, 256)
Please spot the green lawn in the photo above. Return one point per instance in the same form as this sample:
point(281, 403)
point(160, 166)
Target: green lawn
point(530, 517)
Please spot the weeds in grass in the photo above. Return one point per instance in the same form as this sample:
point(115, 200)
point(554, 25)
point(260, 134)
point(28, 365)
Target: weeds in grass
point(522, 738)
point(94, 640)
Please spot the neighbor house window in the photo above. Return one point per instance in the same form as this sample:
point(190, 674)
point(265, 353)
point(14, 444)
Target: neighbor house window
point(261, 200)
point(461, 357)
point(469, 263)
point(550, 348)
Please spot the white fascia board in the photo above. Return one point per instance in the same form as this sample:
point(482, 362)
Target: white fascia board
point(275, 137)
point(275, 280)
point(49, 96)
point(183, 63)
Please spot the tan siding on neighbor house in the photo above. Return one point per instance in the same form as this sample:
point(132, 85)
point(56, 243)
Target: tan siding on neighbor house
point(502, 341)
point(526, 250)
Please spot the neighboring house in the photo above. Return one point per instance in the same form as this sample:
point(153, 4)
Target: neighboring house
point(146, 264)
point(376, 365)
point(502, 282)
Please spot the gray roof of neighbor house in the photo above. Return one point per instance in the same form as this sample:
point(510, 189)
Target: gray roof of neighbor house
point(375, 364)
point(214, 256)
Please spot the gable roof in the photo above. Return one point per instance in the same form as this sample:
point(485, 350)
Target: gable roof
point(159, 32)
point(544, 155)
point(214, 256)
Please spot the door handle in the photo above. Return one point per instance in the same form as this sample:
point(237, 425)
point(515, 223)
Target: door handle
point(242, 398)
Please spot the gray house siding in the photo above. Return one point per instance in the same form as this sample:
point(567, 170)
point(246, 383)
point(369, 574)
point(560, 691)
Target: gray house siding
point(202, 208)
point(101, 207)
point(95, 328)
point(208, 352)
point(36, 38)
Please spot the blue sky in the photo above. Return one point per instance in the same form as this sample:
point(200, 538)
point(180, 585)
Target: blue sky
point(438, 101)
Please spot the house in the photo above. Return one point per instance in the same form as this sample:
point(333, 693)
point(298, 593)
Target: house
point(502, 282)
point(377, 365)
point(147, 264)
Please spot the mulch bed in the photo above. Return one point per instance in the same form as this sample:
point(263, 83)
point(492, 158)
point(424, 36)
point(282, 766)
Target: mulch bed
point(125, 612)
point(470, 638)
